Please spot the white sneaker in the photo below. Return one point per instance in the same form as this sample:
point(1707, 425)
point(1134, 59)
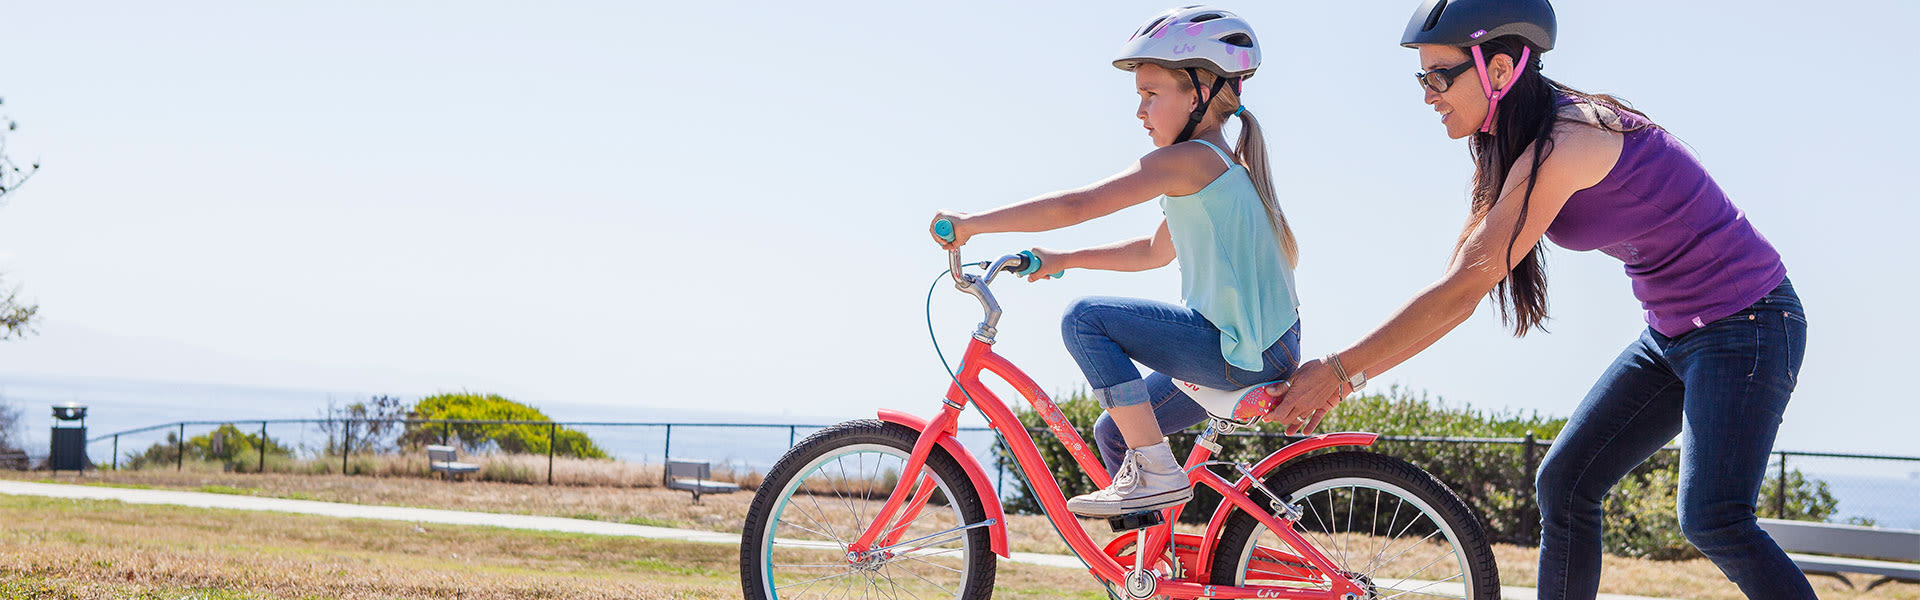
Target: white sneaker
point(1149, 478)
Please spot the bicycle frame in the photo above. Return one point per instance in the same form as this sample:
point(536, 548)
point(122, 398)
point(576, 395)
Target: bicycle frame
point(912, 492)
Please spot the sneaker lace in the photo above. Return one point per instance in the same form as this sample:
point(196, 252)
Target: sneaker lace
point(1128, 476)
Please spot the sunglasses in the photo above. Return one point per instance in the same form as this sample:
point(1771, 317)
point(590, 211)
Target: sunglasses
point(1439, 80)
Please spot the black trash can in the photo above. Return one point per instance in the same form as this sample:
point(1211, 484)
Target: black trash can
point(69, 451)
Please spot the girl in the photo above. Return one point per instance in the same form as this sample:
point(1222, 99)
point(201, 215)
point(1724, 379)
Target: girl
point(1239, 326)
point(1726, 336)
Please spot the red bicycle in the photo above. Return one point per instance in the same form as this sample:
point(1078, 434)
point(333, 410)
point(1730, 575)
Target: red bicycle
point(896, 507)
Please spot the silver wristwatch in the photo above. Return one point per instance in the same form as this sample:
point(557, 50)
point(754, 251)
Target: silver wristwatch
point(1357, 380)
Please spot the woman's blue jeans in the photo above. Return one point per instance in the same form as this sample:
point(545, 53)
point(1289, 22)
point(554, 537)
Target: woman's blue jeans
point(1722, 389)
point(1106, 335)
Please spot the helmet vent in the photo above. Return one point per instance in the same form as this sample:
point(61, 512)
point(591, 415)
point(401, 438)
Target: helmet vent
point(1204, 18)
point(1239, 39)
point(1434, 17)
point(1148, 29)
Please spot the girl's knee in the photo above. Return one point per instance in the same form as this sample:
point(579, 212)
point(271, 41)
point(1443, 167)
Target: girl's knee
point(1079, 311)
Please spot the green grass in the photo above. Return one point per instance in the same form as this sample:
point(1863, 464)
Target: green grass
point(222, 489)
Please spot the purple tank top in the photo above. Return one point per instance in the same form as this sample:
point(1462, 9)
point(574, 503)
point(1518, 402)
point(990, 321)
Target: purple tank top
point(1692, 255)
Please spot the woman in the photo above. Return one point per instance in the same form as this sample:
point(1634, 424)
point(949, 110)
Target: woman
point(1726, 333)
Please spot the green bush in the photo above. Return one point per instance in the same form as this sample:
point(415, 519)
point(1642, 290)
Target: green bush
point(232, 448)
point(524, 438)
point(1495, 480)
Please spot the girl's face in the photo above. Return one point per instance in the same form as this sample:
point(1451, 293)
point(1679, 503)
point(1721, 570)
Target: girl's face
point(1463, 107)
point(1164, 106)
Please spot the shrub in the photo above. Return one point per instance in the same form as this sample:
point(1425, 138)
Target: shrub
point(1494, 479)
point(227, 446)
point(521, 438)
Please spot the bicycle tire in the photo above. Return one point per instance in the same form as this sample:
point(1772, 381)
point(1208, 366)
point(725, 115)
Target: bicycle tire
point(764, 515)
point(1364, 474)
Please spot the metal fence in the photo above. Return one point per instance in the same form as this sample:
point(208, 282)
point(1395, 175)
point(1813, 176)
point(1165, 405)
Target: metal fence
point(1879, 487)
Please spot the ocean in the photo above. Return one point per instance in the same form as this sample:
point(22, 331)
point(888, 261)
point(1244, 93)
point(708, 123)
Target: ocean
point(1886, 493)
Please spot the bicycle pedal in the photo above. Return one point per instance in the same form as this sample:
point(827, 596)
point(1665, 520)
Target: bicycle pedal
point(1136, 520)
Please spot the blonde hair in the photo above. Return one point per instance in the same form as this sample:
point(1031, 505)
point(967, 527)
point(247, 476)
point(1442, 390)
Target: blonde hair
point(1251, 152)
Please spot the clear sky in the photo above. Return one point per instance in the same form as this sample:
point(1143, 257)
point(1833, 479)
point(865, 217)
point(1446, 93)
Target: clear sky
point(722, 205)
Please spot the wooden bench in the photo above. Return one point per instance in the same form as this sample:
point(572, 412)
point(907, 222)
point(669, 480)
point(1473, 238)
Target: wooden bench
point(1890, 553)
point(692, 476)
point(440, 459)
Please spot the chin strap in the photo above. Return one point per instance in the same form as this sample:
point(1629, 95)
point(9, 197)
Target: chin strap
point(1486, 85)
point(1200, 111)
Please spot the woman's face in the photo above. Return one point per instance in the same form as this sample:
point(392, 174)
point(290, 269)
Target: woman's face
point(1164, 106)
point(1463, 107)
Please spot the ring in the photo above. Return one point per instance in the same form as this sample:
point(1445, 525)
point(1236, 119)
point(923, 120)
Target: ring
point(1301, 419)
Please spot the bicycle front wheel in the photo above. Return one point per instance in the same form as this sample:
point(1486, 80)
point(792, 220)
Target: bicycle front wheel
point(825, 492)
point(1384, 523)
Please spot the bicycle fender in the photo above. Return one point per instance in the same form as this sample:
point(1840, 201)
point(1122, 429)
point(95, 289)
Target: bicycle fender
point(1294, 450)
point(988, 498)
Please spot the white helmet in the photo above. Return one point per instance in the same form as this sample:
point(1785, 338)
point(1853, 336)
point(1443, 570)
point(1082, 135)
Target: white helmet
point(1194, 37)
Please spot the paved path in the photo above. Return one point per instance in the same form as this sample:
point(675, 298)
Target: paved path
point(458, 517)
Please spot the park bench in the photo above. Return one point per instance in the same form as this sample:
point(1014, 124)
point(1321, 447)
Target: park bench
point(16, 460)
point(691, 476)
point(1830, 549)
point(440, 459)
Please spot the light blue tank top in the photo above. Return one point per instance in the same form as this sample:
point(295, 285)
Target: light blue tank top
point(1231, 268)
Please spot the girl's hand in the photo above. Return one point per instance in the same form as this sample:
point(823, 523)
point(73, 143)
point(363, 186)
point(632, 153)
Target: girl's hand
point(1307, 397)
point(1051, 261)
point(960, 232)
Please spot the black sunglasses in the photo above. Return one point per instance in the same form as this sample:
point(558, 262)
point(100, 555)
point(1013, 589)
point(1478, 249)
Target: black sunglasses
point(1439, 80)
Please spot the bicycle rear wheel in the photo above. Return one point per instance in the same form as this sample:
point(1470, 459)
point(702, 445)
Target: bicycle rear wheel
point(1383, 522)
point(825, 492)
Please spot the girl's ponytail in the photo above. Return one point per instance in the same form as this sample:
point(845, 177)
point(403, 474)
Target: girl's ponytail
point(1251, 152)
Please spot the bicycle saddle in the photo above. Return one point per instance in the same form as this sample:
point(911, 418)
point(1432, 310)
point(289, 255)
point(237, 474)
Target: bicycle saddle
point(1240, 407)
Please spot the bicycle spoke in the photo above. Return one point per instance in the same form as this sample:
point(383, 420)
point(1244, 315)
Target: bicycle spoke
point(815, 500)
point(1428, 585)
point(806, 529)
point(1386, 541)
point(1353, 497)
point(889, 569)
point(1423, 568)
point(858, 520)
point(893, 593)
point(930, 564)
point(1316, 519)
point(1409, 549)
point(929, 581)
point(777, 588)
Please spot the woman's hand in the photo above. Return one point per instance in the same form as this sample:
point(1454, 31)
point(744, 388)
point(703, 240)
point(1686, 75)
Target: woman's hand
point(1306, 398)
point(960, 232)
point(1051, 261)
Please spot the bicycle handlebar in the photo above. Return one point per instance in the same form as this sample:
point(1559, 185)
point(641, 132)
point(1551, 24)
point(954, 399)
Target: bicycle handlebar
point(1026, 264)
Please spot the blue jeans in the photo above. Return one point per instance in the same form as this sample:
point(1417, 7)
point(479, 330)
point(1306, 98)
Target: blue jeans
point(1106, 335)
point(1727, 383)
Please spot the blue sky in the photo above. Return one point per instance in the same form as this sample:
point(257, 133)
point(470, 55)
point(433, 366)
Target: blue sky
point(723, 205)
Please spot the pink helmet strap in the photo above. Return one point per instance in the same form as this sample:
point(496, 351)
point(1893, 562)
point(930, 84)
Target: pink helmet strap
point(1486, 85)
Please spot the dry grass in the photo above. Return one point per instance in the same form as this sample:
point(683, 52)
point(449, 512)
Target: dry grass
point(1028, 533)
point(497, 467)
point(54, 548)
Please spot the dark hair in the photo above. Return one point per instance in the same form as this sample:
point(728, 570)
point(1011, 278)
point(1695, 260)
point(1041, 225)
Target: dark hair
point(1524, 119)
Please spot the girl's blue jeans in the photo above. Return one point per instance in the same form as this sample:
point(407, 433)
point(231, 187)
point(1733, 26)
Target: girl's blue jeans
point(1106, 335)
point(1722, 389)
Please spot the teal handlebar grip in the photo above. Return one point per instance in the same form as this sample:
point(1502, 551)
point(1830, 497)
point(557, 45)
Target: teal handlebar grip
point(944, 229)
point(1033, 264)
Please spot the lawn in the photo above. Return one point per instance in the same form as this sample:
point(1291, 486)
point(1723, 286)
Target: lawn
point(57, 548)
point(106, 549)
